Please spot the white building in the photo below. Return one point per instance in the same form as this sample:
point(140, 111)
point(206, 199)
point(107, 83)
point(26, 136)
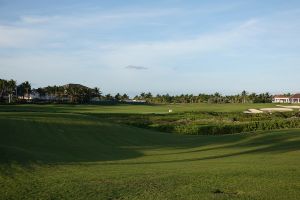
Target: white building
point(295, 98)
point(30, 97)
point(135, 101)
point(281, 99)
point(286, 99)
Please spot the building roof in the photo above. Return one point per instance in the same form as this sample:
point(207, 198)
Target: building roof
point(296, 96)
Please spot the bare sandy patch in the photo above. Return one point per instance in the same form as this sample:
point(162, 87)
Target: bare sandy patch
point(253, 111)
point(270, 110)
point(276, 109)
point(292, 107)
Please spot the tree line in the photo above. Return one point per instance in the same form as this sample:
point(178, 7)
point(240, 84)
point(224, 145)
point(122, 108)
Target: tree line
point(72, 93)
point(243, 97)
point(11, 92)
point(10, 89)
point(75, 93)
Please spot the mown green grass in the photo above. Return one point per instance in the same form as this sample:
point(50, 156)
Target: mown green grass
point(141, 109)
point(47, 154)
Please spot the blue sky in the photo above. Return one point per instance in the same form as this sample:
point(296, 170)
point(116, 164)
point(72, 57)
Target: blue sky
point(177, 46)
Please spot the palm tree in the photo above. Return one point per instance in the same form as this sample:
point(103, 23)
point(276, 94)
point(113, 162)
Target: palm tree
point(97, 92)
point(142, 95)
point(108, 97)
point(73, 93)
point(252, 97)
point(125, 97)
point(244, 95)
point(42, 92)
point(3, 87)
point(118, 97)
point(11, 86)
point(27, 87)
point(217, 94)
point(148, 97)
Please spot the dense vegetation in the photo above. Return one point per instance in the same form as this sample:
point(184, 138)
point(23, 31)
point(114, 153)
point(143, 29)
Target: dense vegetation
point(244, 97)
point(81, 94)
point(75, 152)
point(73, 93)
point(8, 88)
point(21, 93)
point(208, 123)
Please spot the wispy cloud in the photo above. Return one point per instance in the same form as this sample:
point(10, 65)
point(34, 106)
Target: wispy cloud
point(34, 20)
point(11, 36)
point(83, 20)
point(37, 29)
point(158, 52)
point(136, 67)
point(30, 30)
point(124, 15)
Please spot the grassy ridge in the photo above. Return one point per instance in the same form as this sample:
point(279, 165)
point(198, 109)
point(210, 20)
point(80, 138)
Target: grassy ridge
point(51, 155)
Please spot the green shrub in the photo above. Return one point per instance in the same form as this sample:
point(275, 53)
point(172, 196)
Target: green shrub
point(223, 129)
point(209, 123)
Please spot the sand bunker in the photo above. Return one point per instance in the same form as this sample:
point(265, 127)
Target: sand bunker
point(276, 109)
point(270, 110)
point(253, 111)
point(292, 107)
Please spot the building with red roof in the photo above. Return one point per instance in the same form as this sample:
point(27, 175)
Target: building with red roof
point(286, 99)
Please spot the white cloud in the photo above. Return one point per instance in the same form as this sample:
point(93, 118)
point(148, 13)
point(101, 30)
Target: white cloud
point(84, 20)
point(119, 16)
point(34, 29)
point(136, 67)
point(155, 52)
point(31, 30)
point(38, 19)
point(11, 36)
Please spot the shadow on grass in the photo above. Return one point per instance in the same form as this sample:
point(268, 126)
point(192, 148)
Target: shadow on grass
point(282, 145)
point(72, 139)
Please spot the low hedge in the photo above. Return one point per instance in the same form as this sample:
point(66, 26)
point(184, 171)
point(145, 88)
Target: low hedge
point(223, 129)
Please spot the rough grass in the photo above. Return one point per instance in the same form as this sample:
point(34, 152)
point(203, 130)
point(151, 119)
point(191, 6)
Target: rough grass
point(206, 123)
point(49, 155)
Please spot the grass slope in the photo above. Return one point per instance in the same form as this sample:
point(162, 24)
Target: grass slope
point(47, 155)
point(125, 108)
